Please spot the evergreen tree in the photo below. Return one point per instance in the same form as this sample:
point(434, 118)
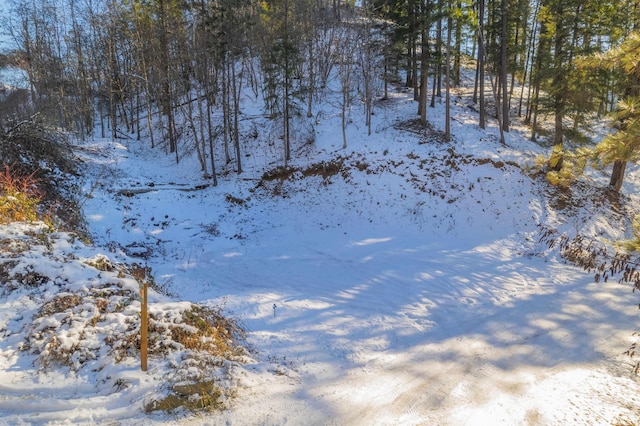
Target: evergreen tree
point(571, 29)
point(623, 146)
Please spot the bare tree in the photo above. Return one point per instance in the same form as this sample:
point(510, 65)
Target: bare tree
point(346, 44)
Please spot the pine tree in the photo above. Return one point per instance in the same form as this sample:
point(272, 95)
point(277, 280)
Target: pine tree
point(569, 29)
point(623, 146)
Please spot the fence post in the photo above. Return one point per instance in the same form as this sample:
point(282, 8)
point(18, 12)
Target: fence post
point(144, 328)
point(142, 276)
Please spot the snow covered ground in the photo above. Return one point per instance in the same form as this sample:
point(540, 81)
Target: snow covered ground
point(408, 288)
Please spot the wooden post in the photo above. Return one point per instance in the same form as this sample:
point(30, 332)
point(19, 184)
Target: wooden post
point(141, 276)
point(144, 328)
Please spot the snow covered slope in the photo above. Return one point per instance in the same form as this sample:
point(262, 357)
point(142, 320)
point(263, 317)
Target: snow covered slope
point(399, 281)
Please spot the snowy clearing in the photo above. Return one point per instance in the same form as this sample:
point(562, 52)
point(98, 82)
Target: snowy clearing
point(403, 284)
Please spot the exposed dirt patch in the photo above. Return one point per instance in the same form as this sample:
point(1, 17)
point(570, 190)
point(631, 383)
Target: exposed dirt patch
point(430, 174)
point(235, 200)
point(279, 173)
point(497, 164)
point(324, 169)
point(426, 131)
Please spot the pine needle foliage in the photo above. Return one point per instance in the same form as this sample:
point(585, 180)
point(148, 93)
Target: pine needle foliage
point(573, 165)
point(623, 145)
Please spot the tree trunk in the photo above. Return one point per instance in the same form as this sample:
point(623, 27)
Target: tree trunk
point(424, 83)
point(226, 108)
point(447, 126)
point(617, 175)
point(457, 53)
point(165, 67)
point(481, 55)
point(528, 65)
point(287, 83)
point(203, 136)
point(503, 68)
point(409, 80)
point(211, 144)
point(311, 87)
point(237, 89)
point(438, 67)
point(343, 117)
point(559, 86)
point(557, 157)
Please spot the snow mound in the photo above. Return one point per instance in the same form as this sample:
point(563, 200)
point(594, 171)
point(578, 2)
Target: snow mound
point(68, 309)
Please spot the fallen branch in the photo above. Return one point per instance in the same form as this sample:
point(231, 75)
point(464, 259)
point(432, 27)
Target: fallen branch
point(137, 191)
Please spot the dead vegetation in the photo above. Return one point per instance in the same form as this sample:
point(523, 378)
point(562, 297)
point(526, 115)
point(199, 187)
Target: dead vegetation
point(431, 174)
point(96, 322)
point(37, 160)
point(278, 173)
point(202, 395)
point(426, 131)
point(235, 200)
point(595, 257)
point(602, 260)
point(344, 165)
point(20, 195)
point(323, 169)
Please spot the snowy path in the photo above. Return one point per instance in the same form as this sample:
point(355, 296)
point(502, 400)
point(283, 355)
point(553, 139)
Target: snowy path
point(395, 333)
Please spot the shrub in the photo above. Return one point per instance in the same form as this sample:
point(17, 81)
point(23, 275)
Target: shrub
point(34, 149)
point(19, 196)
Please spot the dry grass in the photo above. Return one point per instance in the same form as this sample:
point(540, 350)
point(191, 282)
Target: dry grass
point(96, 323)
point(214, 333)
point(19, 196)
point(201, 330)
point(325, 169)
point(279, 173)
point(59, 303)
point(39, 153)
point(101, 263)
point(201, 395)
point(207, 343)
point(73, 316)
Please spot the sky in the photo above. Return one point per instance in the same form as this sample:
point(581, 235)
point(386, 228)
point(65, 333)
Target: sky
point(5, 41)
point(8, 76)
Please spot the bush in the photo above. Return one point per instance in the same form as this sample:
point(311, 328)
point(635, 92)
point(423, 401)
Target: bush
point(34, 145)
point(19, 196)
point(42, 154)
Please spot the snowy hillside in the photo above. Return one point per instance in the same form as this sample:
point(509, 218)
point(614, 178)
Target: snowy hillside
point(398, 281)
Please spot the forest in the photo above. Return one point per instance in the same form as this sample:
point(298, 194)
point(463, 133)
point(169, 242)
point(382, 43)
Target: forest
point(177, 72)
point(359, 212)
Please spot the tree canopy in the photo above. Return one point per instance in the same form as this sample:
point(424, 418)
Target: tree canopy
point(175, 71)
